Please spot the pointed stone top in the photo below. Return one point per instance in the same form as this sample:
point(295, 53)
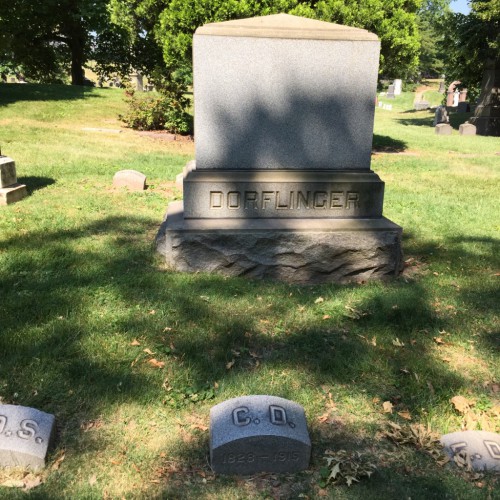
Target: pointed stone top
point(285, 26)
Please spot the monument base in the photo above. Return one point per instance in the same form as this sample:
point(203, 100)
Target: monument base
point(301, 251)
point(12, 193)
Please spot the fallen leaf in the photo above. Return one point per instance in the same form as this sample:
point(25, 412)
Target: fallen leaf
point(376, 400)
point(326, 316)
point(230, 364)
point(148, 351)
point(92, 479)
point(157, 364)
point(32, 482)
point(13, 483)
point(58, 460)
point(461, 404)
point(152, 311)
point(405, 414)
point(396, 342)
point(319, 300)
point(387, 405)
point(374, 341)
point(135, 342)
point(167, 329)
point(439, 340)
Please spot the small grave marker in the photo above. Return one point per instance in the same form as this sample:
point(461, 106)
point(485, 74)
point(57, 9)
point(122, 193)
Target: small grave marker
point(251, 434)
point(10, 190)
point(421, 105)
point(482, 447)
point(443, 129)
point(131, 179)
point(25, 435)
point(467, 129)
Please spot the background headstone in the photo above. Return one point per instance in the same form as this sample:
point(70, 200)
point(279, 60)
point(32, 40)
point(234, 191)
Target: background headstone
point(398, 86)
point(10, 190)
point(441, 116)
point(443, 129)
point(441, 88)
point(482, 447)
point(131, 179)
point(25, 435)
point(253, 434)
point(467, 129)
point(421, 105)
point(390, 92)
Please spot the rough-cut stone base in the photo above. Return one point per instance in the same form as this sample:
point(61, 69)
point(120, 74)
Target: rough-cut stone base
point(291, 250)
point(12, 194)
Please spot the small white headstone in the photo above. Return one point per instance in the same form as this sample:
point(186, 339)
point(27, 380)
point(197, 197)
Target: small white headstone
point(482, 447)
point(25, 434)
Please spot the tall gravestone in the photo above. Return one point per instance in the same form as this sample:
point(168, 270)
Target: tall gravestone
point(282, 186)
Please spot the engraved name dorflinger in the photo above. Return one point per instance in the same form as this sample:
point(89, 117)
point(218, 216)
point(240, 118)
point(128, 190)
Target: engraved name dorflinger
point(288, 200)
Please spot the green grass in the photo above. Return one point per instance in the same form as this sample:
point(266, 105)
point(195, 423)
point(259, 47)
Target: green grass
point(80, 284)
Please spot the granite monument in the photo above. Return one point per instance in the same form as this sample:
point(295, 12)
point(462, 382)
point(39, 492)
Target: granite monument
point(282, 187)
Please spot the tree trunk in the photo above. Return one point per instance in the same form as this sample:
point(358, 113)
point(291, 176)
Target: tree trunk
point(77, 60)
point(487, 114)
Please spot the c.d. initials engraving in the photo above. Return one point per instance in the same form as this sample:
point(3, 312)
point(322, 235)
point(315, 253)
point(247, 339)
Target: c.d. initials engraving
point(493, 449)
point(241, 416)
point(277, 415)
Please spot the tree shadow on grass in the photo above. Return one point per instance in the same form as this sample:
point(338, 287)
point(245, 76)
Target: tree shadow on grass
point(15, 92)
point(385, 143)
point(71, 306)
point(34, 183)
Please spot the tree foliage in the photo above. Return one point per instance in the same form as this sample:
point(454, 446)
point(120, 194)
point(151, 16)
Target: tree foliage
point(171, 24)
point(470, 41)
point(432, 52)
point(51, 37)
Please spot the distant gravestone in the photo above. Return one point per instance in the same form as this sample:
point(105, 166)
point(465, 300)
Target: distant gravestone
point(441, 88)
point(398, 86)
point(10, 190)
point(441, 115)
point(251, 434)
point(443, 129)
point(25, 435)
point(463, 107)
point(482, 447)
point(421, 105)
point(467, 129)
point(131, 179)
point(390, 92)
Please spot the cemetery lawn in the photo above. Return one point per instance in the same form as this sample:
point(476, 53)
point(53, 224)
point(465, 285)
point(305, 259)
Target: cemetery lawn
point(130, 356)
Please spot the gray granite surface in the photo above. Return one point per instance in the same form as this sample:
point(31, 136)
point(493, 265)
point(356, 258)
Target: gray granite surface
point(252, 434)
point(25, 435)
point(482, 447)
point(283, 103)
point(7, 172)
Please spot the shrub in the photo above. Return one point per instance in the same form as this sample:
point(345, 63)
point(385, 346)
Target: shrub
point(157, 111)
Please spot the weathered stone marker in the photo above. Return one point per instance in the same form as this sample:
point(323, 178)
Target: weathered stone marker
point(253, 434)
point(10, 190)
point(443, 129)
point(25, 435)
point(131, 179)
point(282, 186)
point(467, 129)
point(482, 447)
